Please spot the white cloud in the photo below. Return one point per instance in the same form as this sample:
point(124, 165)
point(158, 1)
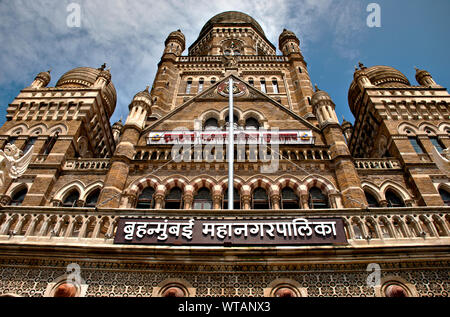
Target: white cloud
point(129, 34)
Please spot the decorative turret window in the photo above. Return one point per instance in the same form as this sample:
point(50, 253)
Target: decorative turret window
point(275, 86)
point(263, 85)
point(189, 86)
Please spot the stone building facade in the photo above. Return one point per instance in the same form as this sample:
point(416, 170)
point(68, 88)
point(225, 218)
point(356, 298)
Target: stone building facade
point(386, 176)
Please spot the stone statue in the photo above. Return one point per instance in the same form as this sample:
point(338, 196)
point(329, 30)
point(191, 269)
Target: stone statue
point(13, 162)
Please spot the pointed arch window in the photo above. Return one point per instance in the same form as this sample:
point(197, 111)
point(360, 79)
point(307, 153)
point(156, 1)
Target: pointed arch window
point(92, 198)
point(201, 83)
point(393, 199)
point(71, 199)
point(260, 199)
point(317, 199)
point(275, 86)
point(416, 145)
point(371, 200)
point(30, 142)
point(145, 200)
point(203, 200)
point(236, 199)
point(18, 198)
point(445, 196)
point(263, 85)
point(174, 200)
point(437, 144)
point(289, 200)
point(189, 86)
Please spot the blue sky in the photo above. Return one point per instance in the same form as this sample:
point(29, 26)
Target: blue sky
point(129, 36)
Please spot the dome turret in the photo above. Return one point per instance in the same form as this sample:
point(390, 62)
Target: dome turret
point(85, 77)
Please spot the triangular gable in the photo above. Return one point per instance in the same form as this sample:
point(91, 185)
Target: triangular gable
point(207, 94)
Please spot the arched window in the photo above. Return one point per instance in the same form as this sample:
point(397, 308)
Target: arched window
point(263, 85)
point(213, 81)
point(437, 144)
point(236, 200)
point(445, 196)
point(211, 124)
point(317, 200)
point(71, 199)
point(203, 199)
point(18, 198)
point(174, 200)
point(393, 199)
point(30, 142)
point(235, 121)
point(251, 124)
point(145, 200)
point(416, 145)
point(201, 82)
point(275, 86)
point(260, 199)
point(371, 200)
point(251, 81)
point(189, 86)
point(91, 200)
point(48, 146)
point(289, 200)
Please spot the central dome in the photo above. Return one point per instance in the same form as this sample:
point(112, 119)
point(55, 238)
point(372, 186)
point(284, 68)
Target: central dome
point(231, 17)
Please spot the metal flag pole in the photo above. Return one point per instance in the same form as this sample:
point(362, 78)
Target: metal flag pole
point(231, 147)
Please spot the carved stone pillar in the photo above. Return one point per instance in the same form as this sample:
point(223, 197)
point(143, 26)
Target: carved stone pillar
point(275, 199)
point(246, 200)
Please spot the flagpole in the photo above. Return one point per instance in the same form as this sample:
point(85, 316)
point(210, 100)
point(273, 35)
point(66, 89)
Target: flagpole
point(231, 147)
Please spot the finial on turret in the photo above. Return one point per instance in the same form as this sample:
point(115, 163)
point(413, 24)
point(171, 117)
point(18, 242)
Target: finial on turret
point(102, 67)
point(316, 88)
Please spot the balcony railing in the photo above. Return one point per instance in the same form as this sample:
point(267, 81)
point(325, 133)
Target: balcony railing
point(242, 58)
point(377, 164)
point(377, 226)
point(87, 164)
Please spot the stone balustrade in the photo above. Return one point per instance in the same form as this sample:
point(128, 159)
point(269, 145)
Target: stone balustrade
point(377, 164)
point(87, 164)
point(249, 154)
point(243, 58)
point(388, 226)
